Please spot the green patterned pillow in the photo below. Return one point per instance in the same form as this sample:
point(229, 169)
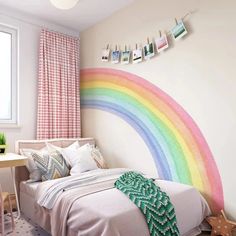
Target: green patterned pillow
point(51, 165)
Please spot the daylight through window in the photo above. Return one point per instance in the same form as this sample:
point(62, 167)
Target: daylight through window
point(8, 75)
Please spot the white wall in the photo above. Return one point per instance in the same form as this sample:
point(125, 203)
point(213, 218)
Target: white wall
point(198, 72)
point(28, 70)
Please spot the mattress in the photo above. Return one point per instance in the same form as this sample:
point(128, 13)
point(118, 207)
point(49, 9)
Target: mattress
point(27, 198)
point(29, 188)
point(100, 207)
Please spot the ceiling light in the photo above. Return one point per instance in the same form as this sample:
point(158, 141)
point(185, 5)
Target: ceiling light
point(64, 4)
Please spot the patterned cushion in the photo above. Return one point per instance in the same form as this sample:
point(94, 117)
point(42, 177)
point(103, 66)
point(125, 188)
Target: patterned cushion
point(52, 166)
point(34, 173)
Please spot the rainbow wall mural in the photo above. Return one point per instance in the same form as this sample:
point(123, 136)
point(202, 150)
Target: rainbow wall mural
point(175, 142)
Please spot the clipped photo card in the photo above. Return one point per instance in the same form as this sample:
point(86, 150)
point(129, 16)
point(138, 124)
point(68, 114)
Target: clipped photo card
point(137, 55)
point(161, 43)
point(125, 57)
point(148, 50)
point(115, 57)
point(105, 54)
point(179, 31)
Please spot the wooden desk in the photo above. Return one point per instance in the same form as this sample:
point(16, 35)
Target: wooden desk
point(12, 160)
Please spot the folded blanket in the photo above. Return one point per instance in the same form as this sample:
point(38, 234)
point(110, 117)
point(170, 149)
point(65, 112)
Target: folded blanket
point(154, 203)
point(49, 191)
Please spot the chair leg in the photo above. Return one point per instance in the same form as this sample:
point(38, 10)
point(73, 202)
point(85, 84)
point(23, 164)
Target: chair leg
point(12, 219)
point(2, 219)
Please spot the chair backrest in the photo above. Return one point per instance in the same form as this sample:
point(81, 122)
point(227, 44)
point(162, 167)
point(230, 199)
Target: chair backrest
point(1, 213)
point(1, 200)
point(0, 195)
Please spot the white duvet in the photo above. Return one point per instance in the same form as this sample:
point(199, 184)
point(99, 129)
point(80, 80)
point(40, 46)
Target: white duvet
point(88, 205)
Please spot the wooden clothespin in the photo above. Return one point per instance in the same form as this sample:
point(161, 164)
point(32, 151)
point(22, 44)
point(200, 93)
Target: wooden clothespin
point(176, 21)
point(160, 33)
point(125, 48)
point(107, 46)
point(148, 40)
point(136, 46)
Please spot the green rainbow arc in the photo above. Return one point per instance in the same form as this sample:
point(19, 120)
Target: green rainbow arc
point(176, 143)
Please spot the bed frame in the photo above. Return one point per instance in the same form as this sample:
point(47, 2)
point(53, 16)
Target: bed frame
point(188, 219)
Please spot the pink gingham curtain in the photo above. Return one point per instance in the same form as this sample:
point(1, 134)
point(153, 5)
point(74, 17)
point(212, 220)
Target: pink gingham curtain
point(58, 86)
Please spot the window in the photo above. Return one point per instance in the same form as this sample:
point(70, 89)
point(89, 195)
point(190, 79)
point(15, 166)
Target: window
point(8, 75)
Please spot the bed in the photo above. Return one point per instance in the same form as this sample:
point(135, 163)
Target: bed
point(106, 211)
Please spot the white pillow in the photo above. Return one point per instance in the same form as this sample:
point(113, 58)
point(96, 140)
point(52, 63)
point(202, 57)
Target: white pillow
point(71, 157)
point(34, 173)
point(80, 160)
point(73, 146)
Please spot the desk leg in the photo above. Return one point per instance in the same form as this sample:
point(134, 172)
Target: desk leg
point(14, 184)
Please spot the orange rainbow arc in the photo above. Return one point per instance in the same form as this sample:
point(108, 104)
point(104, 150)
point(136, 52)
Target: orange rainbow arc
point(175, 142)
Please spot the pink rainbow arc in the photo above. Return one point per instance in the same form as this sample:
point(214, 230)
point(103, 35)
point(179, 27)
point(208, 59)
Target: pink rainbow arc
point(175, 141)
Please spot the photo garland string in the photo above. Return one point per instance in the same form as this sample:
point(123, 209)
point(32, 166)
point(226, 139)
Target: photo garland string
point(148, 50)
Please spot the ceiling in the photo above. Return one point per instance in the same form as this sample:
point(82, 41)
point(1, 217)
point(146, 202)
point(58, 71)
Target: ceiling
point(85, 14)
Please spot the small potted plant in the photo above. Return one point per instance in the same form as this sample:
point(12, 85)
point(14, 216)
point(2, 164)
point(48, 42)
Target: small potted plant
point(2, 143)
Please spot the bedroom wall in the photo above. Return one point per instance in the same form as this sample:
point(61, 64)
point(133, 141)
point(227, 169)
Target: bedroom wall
point(198, 72)
point(28, 69)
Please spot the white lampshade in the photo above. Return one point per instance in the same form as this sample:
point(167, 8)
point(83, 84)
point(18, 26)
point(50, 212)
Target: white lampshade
point(64, 4)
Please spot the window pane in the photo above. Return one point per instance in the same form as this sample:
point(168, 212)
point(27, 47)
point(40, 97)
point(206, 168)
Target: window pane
point(5, 76)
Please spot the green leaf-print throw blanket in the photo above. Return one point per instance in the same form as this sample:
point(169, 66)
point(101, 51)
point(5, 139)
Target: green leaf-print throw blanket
point(154, 203)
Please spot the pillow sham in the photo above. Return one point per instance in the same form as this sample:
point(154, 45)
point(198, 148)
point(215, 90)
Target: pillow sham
point(80, 159)
point(51, 165)
point(34, 173)
point(73, 146)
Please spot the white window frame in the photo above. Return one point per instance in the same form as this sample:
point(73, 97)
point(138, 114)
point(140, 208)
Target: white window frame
point(14, 121)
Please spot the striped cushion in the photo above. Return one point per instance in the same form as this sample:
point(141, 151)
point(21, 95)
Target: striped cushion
point(52, 165)
point(98, 157)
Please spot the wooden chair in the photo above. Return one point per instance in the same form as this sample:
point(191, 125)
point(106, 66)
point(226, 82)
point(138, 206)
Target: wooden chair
point(4, 196)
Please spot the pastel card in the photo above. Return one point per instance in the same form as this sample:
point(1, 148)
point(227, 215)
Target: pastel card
point(137, 55)
point(161, 43)
point(179, 30)
point(115, 57)
point(125, 57)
